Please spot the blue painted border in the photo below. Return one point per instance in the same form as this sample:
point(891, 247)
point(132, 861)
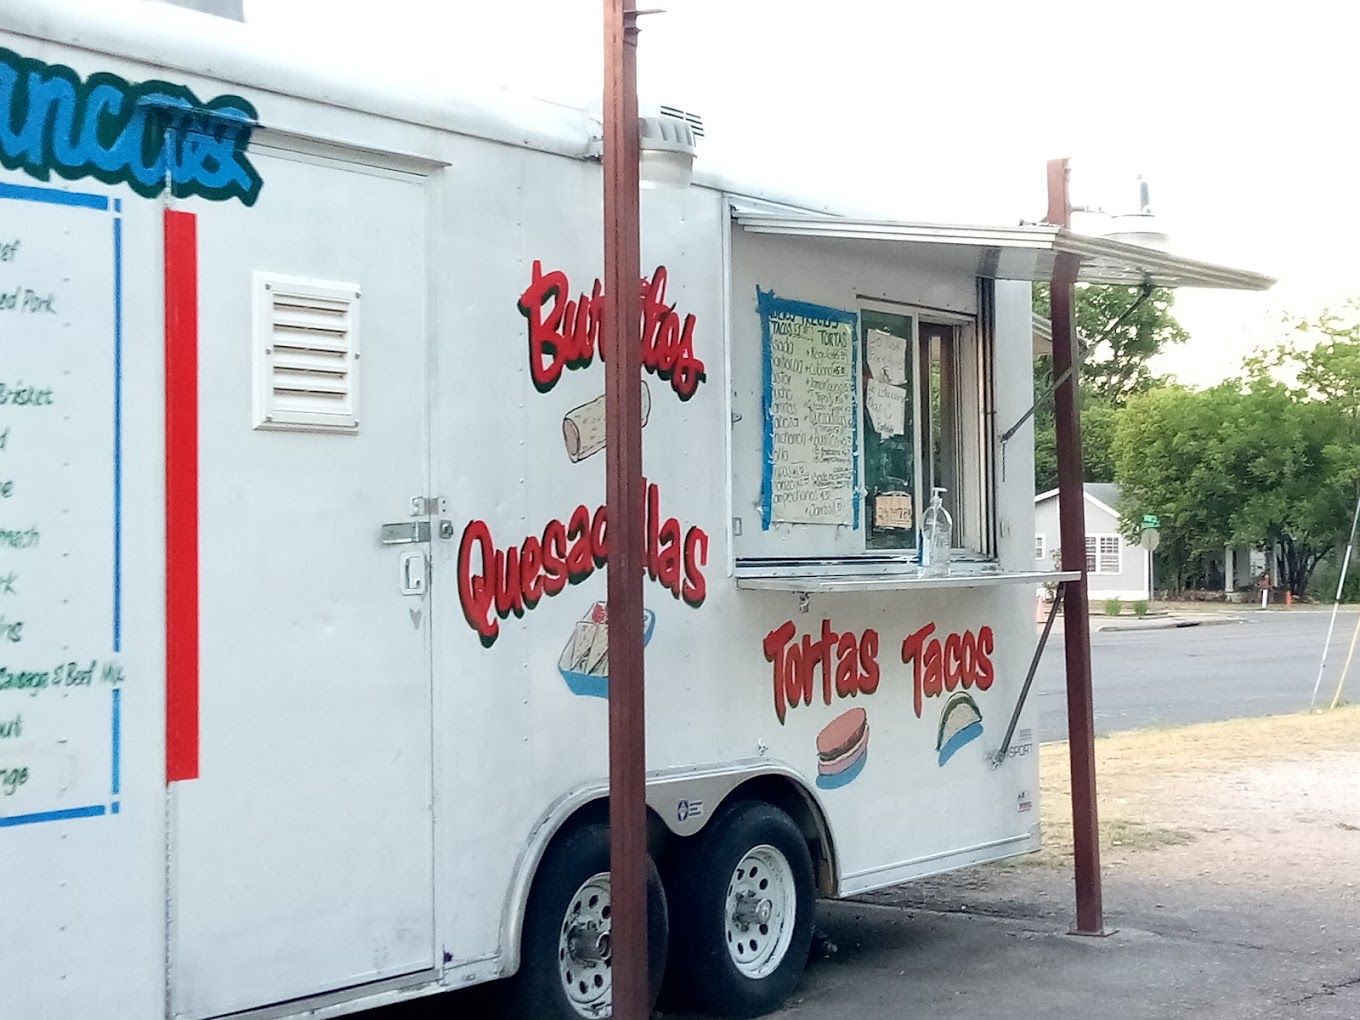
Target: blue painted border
point(117, 427)
point(100, 203)
point(93, 811)
point(50, 196)
point(117, 778)
point(767, 303)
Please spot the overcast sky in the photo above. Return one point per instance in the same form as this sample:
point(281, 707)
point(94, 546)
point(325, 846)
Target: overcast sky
point(1241, 116)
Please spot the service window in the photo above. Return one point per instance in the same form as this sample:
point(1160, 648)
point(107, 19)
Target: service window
point(862, 410)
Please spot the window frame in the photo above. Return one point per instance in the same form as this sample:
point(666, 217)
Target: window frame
point(974, 506)
point(1094, 553)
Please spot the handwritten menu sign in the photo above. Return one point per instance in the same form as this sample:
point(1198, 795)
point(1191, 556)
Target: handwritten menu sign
point(60, 447)
point(811, 437)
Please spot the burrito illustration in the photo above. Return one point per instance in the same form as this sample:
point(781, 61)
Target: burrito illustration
point(960, 723)
point(842, 748)
point(583, 427)
point(584, 662)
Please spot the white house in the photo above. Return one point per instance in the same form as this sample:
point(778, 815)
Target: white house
point(1115, 568)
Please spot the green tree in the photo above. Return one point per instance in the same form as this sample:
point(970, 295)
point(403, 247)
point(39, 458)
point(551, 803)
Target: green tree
point(1115, 356)
point(1231, 466)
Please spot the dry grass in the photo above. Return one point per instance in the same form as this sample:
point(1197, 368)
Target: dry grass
point(1170, 786)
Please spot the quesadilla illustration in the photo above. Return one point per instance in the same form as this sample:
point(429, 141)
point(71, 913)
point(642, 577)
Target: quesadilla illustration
point(842, 748)
point(960, 723)
point(584, 662)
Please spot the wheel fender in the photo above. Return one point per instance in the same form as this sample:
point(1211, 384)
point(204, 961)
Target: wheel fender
point(684, 800)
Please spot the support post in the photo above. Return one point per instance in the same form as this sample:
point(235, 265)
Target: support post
point(1076, 615)
point(626, 516)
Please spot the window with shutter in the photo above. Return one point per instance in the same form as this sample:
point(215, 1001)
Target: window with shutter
point(306, 354)
point(1104, 554)
point(1110, 557)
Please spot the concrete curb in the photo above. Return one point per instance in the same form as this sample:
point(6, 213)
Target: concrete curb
point(1169, 624)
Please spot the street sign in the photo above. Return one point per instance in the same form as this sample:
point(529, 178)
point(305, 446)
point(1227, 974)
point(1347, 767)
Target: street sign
point(1151, 539)
point(1151, 521)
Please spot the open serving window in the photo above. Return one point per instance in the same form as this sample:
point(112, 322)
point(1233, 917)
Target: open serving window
point(864, 367)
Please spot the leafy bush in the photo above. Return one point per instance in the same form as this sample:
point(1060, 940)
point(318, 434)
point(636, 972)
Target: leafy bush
point(1140, 608)
point(1113, 607)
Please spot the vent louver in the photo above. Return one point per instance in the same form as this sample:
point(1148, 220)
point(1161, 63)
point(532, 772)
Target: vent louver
point(695, 122)
point(306, 354)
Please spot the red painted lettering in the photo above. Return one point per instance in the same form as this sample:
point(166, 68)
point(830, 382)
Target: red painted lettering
point(695, 588)
point(531, 571)
point(474, 593)
point(579, 561)
point(599, 536)
point(983, 677)
point(554, 558)
point(775, 643)
point(868, 657)
point(497, 582)
point(911, 652)
point(953, 666)
point(847, 665)
point(840, 657)
point(938, 667)
point(566, 334)
point(825, 646)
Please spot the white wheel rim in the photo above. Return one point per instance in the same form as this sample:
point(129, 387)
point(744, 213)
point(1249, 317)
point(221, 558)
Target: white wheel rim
point(762, 902)
point(584, 959)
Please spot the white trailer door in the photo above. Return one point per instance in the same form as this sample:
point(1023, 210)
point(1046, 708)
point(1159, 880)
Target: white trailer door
point(301, 855)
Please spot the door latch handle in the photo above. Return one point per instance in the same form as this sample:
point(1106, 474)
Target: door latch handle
point(413, 573)
point(405, 533)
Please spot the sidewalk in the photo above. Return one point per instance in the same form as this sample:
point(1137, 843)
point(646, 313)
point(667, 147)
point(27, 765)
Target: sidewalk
point(1166, 616)
point(1156, 620)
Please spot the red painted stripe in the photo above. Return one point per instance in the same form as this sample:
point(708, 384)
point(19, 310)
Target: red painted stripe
point(181, 496)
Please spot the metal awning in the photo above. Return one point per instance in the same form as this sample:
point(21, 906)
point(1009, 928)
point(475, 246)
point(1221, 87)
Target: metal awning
point(1011, 253)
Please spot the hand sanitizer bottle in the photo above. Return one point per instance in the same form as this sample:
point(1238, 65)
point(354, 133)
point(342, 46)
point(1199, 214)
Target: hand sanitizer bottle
point(936, 537)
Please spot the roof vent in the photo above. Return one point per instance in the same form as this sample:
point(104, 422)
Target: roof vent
point(695, 122)
point(666, 152)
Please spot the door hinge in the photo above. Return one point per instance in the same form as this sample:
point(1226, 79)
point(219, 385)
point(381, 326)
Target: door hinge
point(428, 506)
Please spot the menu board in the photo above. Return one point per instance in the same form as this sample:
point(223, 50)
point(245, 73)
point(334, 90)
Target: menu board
point(61, 681)
point(811, 414)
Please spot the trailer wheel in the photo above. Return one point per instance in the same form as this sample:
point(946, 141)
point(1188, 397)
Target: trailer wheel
point(565, 955)
point(744, 904)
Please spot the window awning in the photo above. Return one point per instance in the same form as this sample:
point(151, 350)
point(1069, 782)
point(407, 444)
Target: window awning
point(1010, 253)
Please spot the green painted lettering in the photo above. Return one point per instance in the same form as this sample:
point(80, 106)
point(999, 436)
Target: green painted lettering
point(16, 539)
point(12, 779)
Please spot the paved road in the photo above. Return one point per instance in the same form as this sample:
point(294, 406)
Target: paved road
point(1264, 665)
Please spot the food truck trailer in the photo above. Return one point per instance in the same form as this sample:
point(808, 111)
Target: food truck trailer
point(303, 636)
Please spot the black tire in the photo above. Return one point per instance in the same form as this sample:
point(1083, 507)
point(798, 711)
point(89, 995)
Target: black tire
point(538, 990)
point(704, 971)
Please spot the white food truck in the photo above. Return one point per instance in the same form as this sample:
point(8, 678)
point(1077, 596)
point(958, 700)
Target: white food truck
point(303, 640)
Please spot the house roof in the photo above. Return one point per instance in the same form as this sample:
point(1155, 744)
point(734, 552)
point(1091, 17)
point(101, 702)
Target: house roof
point(1104, 494)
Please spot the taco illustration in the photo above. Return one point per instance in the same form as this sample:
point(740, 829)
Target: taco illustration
point(842, 748)
point(584, 662)
point(960, 723)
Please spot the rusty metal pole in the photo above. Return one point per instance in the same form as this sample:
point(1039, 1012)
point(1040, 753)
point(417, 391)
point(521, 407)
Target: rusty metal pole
point(1076, 616)
point(625, 501)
